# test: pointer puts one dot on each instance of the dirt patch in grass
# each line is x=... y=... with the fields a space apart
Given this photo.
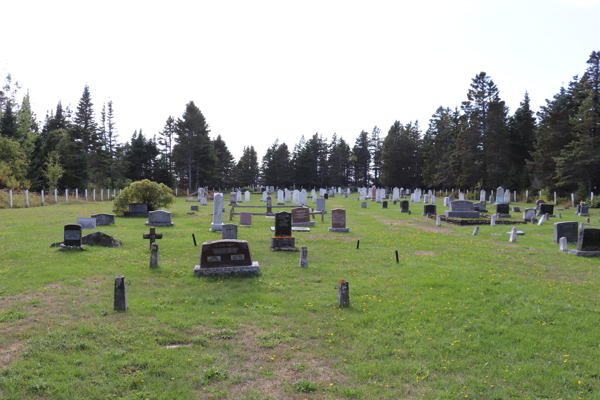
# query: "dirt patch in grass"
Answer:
x=8 y=353
x=339 y=238
x=420 y=225
x=425 y=253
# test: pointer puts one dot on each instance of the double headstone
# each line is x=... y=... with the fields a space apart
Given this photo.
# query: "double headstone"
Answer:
x=588 y=242
x=87 y=223
x=104 y=219
x=138 y=210
x=461 y=209
x=226 y=258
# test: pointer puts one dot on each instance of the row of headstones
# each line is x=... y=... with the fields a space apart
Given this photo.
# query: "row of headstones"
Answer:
x=76 y=193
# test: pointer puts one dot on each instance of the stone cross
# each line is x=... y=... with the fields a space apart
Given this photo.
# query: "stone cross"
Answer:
x=152 y=236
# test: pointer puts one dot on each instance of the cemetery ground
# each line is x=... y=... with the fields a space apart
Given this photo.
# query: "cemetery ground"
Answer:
x=459 y=316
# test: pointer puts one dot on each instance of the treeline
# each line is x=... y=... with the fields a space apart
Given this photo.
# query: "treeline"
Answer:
x=477 y=145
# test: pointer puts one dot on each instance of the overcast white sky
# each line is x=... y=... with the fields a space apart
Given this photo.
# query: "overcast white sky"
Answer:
x=266 y=70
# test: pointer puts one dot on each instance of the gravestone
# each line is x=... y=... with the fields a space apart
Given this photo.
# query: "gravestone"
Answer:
x=232 y=198
x=502 y=210
x=338 y=220
x=396 y=194
x=301 y=217
x=343 y=294
x=194 y=208
x=482 y=196
x=564 y=245
x=540 y=201
x=269 y=205
x=326 y=196
x=384 y=204
x=217 y=220
x=500 y=195
x=572 y=199
x=138 y=210
x=120 y=300
x=426 y=199
x=321 y=205
x=433 y=199
x=280 y=198
x=373 y=193
x=226 y=258
x=446 y=202
x=588 y=242
x=475 y=231
x=516 y=209
x=493 y=220
x=438 y=220
x=461 y=196
x=72 y=237
x=283 y=240
x=566 y=229
x=363 y=204
x=479 y=207
x=404 y=206
x=461 y=209
x=87 y=223
x=546 y=209
x=430 y=209
x=513 y=235
x=246 y=220
x=542 y=219
x=363 y=194
x=152 y=236
x=159 y=218
x=304 y=257
x=247 y=197
x=529 y=214
x=229 y=231
x=582 y=210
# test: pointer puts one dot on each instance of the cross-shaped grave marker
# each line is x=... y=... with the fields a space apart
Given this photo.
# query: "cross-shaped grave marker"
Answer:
x=152 y=236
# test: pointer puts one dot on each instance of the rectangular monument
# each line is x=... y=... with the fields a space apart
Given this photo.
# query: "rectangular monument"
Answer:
x=225 y=258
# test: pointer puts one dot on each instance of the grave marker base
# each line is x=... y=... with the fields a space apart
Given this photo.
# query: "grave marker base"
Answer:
x=283 y=244
x=585 y=253
x=339 y=229
x=248 y=270
x=64 y=247
x=161 y=224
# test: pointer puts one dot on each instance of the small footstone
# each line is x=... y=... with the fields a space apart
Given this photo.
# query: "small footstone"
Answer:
x=475 y=231
x=304 y=257
x=564 y=246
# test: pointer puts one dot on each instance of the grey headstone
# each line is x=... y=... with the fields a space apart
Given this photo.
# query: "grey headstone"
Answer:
x=154 y=259
x=475 y=231
x=217 y=220
x=564 y=244
x=104 y=219
x=87 y=223
x=229 y=231
x=120 y=302
x=304 y=257
x=160 y=218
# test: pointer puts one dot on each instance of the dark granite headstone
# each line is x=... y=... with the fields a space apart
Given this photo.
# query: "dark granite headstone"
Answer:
x=384 y=204
x=225 y=253
x=72 y=235
x=589 y=239
x=138 y=210
x=546 y=209
x=502 y=208
x=430 y=209
x=404 y=206
x=326 y=196
x=566 y=229
x=283 y=224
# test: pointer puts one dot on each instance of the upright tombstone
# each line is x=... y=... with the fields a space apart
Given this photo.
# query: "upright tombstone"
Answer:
x=10 y=203
x=104 y=219
x=507 y=196
x=72 y=237
x=321 y=205
x=500 y=195
x=482 y=196
x=542 y=219
x=264 y=197
x=304 y=257
x=338 y=220
x=232 y=198
x=269 y=205
x=546 y=209
x=493 y=220
x=426 y=199
x=513 y=235
x=247 y=197
x=461 y=209
x=42 y=198
x=461 y=196
x=363 y=194
x=588 y=242
x=384 y=204
x=138 y=210
x=378 y=196
x=446 y=202
x=564 y=245
x=76 y=194
x=303 y=198
x=226 y=257
x=429 y=209
x=283 y=239
x=93 y=194
x=404 y=206
x=246 y=220
x=395 y=194
x=582 y=210
x=363 y=204
x=217 y=220
x=572 y=199
x=528 y=214
x=566 y=229
x=238 y=196
x=301 y=217
x=86 y=223
x=433 y=199
x=160 y=218
x=502 y=210
x=373 y=193
x=280 y=198
x=229 y=231
x=438 y=220
x=343 y=294
x=120 y=300
x=475 y=231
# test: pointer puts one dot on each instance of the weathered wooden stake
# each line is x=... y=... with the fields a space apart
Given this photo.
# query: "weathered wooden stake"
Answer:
x=397 y=258
x=357 y=244
x=194 y=237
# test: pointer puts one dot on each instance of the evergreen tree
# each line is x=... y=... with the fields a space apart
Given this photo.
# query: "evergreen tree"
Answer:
x=247 y=171
x=361 y=159
x=8 y=123
x=437 y=147
x=225 y=163
x=166 y=137
x=375 y=147
x=521 y=127
x=400 y=156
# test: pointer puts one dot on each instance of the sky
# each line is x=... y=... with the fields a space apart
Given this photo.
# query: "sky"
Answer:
x=262 y=71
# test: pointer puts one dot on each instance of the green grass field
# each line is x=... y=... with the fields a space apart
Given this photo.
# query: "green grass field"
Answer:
x=460 y=316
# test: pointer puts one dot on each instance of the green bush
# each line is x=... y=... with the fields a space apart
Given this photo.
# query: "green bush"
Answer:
x=157 y=195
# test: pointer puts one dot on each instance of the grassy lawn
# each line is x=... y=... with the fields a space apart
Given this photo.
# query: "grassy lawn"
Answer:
x=459 y=316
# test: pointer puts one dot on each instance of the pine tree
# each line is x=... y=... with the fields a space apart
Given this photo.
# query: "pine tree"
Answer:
x=166 y=137
x=361 y=159
x=438 y=145
x=247 y=170
x=522 y=126
x=225 y=163
x=375 y=147
x=401 y=156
